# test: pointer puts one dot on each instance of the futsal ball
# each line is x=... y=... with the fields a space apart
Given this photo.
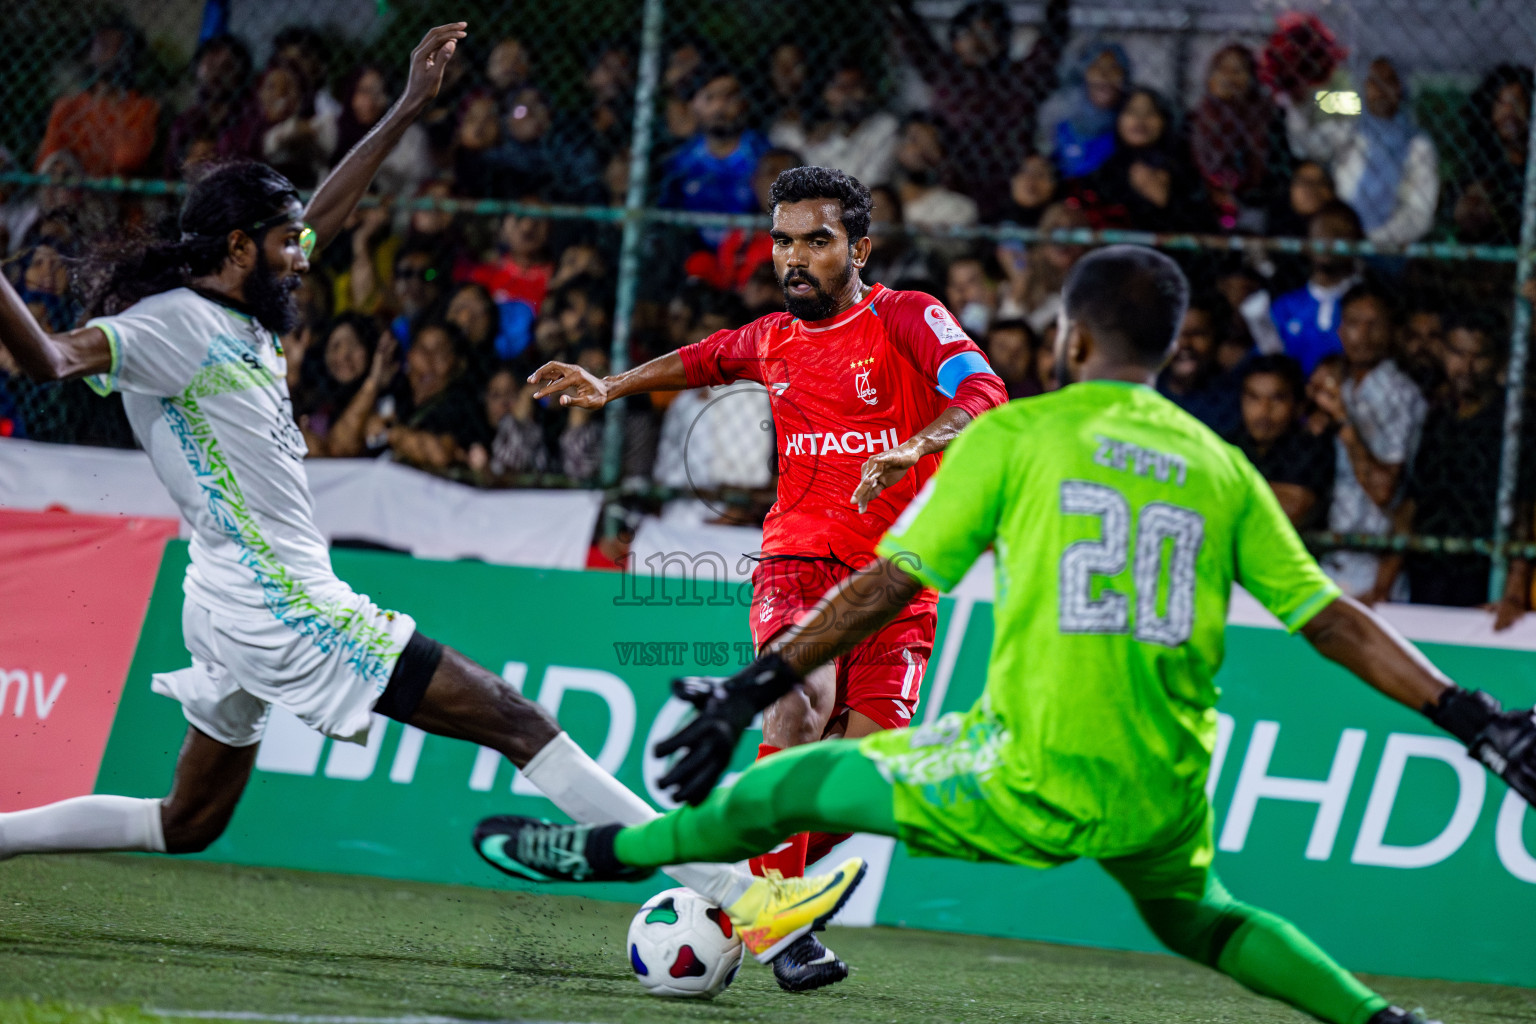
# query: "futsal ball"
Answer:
x=683 y=946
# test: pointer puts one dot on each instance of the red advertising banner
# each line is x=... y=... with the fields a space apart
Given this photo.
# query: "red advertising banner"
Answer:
x=73 y=593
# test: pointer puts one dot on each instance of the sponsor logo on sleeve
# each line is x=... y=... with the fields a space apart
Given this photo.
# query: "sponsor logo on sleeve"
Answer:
x=943 y=325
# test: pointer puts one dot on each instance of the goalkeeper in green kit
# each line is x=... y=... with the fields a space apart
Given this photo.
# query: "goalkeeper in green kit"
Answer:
x=1120 y=524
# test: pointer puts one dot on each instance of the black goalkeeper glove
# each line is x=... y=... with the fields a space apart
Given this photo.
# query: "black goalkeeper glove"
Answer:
x=726 y=708
x=1505 y=741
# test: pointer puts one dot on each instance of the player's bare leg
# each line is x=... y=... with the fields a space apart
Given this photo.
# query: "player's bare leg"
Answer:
x=210 y=778
x=464 y=701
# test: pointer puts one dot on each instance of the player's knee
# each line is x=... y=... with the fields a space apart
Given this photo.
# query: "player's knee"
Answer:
x=1195 y=929
x=792 y=720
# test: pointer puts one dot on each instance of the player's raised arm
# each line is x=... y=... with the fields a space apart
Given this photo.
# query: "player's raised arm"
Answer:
x=47 y=357
x=1349 y=633
x=338 y=194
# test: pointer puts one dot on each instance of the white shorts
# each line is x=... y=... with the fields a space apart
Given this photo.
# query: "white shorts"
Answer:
x=329 y=673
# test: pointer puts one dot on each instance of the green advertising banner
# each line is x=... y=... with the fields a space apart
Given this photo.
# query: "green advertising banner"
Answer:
x=1336 y=808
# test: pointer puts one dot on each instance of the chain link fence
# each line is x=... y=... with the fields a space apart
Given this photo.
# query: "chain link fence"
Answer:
x=1349 y=186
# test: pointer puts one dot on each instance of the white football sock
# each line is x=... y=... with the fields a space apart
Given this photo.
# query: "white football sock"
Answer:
x=578 y=786
x=84 y=823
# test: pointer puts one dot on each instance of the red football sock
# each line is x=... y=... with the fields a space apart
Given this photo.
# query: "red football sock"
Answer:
x=821 y=844
x=788 y=858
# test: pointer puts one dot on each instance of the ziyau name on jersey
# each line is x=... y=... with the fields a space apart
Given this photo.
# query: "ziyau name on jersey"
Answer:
x=850 y=442
x=1133 y=458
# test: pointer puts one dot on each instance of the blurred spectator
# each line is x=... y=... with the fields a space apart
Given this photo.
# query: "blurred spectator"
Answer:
x=787 y=101
x=970 y=296
x=343 y=372
x=284 y=128
x=438 y=229
x=436 y=417
x=43 y=284
x=522 y=268
x=685 y=60
x=1311 y=187
x=508 y=69
x=368 y=281
x=494 y=333
x=1192 y=379
x=1031 y=190
x=1305 y=322
x=761 y=293
x=1454 y=481
x=365 y=98
x=1077 y=125
x=222 y=68
x=1421 y=348
x=518 y=446
x=1012 y=348
x=892 y=256
x=537 y=156
x=581 y=315
x=856 y=137
x=1035 y=275
x=1498 y=119
x=729 y=266
x=1147 y=182
x=920 y=166
x=475 y=143
x=303 y=49
x=988 y=100
x=1299 y=465
x=581 y=442
x=358 y=428
x=1238 y=139
x=713 y=437
x=108 y=126
x=1378 y=413
x=1325 y=378
x=419 y=283
x=712 y=172
x=611 y=81
x=1385 y=166
x=19 y=209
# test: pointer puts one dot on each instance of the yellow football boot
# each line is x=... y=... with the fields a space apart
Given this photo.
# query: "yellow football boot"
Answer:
x=776 y=911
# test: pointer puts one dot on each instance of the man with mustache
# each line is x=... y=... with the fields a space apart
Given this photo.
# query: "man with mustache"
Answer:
x=190 y=336
x=867 y=386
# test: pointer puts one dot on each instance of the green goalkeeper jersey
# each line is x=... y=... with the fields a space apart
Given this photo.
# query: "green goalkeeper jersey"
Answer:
x=1119 y=524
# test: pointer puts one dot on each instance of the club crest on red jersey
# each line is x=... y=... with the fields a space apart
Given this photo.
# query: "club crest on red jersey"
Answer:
x=943 y=325
x=861 y=385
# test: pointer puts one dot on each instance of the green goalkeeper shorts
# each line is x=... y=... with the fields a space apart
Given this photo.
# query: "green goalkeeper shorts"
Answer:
x=950 y=800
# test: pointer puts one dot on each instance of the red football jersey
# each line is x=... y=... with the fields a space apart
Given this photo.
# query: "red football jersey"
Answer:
x=841 y=390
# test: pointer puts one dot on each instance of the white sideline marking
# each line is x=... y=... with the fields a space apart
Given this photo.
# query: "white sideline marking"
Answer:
x=302 y=1018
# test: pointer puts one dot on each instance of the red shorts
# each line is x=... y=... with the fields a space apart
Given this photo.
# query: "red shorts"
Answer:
x=880 y=678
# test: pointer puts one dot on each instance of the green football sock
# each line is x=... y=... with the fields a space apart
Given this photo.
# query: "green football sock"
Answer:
x=1262 y=952
x=820 y=787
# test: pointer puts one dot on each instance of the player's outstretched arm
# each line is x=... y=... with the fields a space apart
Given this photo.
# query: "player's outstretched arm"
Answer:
x=338 y=194
x=586 y=391
x=46 y=357
x=885 y=469
x=849 y=612
x=1350 y=634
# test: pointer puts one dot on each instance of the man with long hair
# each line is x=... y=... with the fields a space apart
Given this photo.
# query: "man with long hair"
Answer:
x=188 y=330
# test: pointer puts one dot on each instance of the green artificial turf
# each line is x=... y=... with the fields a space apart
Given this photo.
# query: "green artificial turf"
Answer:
x=111 y=939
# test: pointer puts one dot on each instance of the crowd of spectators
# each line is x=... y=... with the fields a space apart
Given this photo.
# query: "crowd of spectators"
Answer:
x=1371 y=415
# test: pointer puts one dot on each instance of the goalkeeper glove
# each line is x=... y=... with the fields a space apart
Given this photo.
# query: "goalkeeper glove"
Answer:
x=1505 y=741
x=726 y=708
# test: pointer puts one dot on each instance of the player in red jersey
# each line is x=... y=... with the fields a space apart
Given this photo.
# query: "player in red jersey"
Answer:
x=867 y=386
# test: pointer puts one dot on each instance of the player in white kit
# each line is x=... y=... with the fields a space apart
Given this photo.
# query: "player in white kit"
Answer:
x=191 y=340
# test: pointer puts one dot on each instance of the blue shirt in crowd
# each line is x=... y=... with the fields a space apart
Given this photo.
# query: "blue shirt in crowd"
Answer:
x=1308 y=322
x=699 y=181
